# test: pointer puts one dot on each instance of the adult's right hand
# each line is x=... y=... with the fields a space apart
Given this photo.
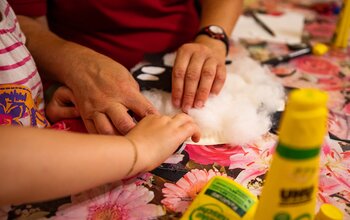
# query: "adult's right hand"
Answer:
x=105 y=91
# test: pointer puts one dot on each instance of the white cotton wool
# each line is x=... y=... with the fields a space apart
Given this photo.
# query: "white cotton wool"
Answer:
x=240 y=114
x=161 y=101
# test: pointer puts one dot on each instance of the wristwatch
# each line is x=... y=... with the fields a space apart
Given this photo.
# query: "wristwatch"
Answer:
x=215 y=32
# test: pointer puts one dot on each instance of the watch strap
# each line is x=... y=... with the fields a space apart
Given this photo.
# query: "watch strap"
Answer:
x=218 y=36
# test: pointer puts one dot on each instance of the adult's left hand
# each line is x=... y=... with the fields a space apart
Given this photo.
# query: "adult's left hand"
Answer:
x=198 y=71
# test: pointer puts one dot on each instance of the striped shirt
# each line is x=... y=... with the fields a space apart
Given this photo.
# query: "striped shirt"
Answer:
x=21 y=91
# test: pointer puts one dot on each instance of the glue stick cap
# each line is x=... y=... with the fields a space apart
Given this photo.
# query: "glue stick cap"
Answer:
x=329 y=212
x=304 y=121
x=319 y=49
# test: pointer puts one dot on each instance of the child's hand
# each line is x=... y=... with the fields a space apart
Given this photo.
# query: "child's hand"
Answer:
x=157 y=137
x=61 y=106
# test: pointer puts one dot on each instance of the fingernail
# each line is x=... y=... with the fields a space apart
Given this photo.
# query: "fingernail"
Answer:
x=199 y=104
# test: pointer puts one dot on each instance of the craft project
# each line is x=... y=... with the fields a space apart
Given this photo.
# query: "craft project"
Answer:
x=240 y=114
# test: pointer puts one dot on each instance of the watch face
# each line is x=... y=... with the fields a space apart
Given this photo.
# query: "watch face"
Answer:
x=216 y=29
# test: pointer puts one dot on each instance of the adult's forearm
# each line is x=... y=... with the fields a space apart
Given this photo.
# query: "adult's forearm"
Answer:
x=55 y=57
x=34 y=165
x=223 y=13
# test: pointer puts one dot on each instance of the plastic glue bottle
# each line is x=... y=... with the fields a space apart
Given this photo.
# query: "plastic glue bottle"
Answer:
x=222 y=199
x=291 y=184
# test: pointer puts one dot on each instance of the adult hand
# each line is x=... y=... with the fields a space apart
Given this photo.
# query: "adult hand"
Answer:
x=157 y=137
x=199 y=70
x=105 y=91
x=61 y=106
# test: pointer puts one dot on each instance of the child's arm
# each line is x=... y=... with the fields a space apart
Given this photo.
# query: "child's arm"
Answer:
x=39 y=164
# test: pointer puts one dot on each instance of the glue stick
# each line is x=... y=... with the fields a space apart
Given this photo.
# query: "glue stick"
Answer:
x=222 y=199
x=329 y=212
x=291 y=184
x=341 y=35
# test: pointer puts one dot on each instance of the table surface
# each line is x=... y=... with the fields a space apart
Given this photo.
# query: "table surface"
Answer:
x=167 y=191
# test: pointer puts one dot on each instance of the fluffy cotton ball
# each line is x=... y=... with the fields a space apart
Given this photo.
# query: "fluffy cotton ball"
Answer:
x=241 y=112
x=161 y=101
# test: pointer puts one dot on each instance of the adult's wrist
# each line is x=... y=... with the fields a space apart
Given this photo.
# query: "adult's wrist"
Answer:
x=217 y=46
x=216 y=33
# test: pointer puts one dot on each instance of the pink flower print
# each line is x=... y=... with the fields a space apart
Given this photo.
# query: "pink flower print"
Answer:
x=339 y=125
x=323 y=30
x=180 y=195
x=122 y=203
x=346 y=109
x=336 y=163
x=342 y=201
x=145 y=179
x=338 y=54
x=316 y=65
x=209 y=154
x=174 y=159
x=255 y=161
x=330 y=84
x=328 y=186
x=336 y=100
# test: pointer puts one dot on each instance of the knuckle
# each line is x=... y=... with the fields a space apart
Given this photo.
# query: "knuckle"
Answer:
x=179 y=73
x=208 y=73
x=203 y=92
x=162 y=119
x=189 y=96
x=165 y=118
x=127 y=87
x=202 y=49
x=186 y=47
x=192 y=75
x=176 y=92
x=124 y=126
x=220 y=77
x=149 y=110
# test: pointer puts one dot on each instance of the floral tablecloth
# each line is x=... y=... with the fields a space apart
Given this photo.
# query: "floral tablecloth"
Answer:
x=166 y=192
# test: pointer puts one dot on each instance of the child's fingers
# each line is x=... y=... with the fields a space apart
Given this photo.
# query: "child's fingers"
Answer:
x=192 y=130
x=181 y=118
x=187 y=126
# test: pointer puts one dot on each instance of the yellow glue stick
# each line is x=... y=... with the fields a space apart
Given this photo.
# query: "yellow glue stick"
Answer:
x=329 y=212
x=222 y=199
x=291 y=184
x=340 y=38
